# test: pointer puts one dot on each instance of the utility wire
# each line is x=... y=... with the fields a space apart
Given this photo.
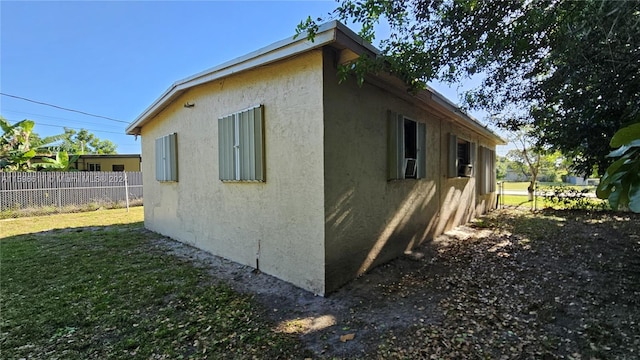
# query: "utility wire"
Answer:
x=59 y=118
x=63 y=108
x=69 y=127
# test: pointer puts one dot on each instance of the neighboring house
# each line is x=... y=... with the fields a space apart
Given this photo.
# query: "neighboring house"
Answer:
x=116 y=162
x=268 y=161
x=581 y=181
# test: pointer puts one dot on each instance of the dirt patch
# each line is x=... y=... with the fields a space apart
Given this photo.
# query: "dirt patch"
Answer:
x=512 y=285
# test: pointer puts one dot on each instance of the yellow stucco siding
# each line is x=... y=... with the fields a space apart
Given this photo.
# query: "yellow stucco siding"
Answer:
x=368 y=219
x=279 y=222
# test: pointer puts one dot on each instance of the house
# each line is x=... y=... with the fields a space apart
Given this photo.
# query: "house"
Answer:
x=306 y=179
x=581 y=181
x=115 y=162
x=95 y=162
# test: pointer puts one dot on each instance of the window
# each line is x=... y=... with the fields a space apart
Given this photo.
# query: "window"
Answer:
x=167 y=158
x=241 y=146
x=462 y=155
x=94 y=167
x=487 y=171
x=406 y=148
x=117 y=167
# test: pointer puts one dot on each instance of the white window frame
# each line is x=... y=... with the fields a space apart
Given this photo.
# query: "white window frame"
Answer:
x=454 y=170
x=398 y=161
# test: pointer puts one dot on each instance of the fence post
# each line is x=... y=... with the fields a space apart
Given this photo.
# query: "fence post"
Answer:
x=58 y=191
x=126 y=190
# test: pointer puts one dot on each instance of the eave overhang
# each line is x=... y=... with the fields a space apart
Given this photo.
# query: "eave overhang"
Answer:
x=334 y=34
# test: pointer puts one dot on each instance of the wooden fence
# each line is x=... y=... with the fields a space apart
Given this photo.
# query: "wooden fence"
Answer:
x=19 y=190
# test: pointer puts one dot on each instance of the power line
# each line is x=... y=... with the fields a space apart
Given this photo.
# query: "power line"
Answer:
x=59 y=118
x=63 y=108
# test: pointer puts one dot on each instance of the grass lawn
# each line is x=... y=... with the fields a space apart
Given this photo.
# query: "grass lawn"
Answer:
x=92 y=285
x=522 y=186
x=516 y=200
x=514 y=284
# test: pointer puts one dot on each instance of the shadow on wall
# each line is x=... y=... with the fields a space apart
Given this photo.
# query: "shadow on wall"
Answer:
x=364 y=231
x=405 y=227
x=457 y=205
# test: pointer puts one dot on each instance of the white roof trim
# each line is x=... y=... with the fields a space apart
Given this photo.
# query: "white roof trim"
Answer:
x=326 y=34
x=329 y=33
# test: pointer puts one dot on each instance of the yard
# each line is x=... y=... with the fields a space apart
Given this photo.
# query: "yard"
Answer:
x=513 y=285
x=549 y=195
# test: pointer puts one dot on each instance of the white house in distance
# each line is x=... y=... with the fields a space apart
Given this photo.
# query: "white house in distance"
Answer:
x=268 y=161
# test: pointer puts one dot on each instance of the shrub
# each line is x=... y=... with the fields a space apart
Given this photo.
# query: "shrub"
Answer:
x=570 y=198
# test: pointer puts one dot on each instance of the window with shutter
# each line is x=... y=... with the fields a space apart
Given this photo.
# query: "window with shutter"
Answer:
x=167 y=158
x=241 y=146
x=487 y=173
x=462 y=155
x=406 y=153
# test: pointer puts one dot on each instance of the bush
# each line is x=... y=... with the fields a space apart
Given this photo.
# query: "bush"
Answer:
x=570 y=198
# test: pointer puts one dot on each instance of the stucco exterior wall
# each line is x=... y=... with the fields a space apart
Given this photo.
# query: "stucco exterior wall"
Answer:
x=106 y=163
x=369 y=220
x=277 y=225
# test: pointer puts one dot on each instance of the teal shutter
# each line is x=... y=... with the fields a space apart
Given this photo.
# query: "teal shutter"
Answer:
x=472 y=158
x=422 y=151
x=251 y=136
x=251 y=145
x=482 y=170
x=167 y=158
x=171 y=157
x=492 y=162
x=395 y=145
x=226 y=150
x=159 y=159
x=241 y=146
x=453 y=156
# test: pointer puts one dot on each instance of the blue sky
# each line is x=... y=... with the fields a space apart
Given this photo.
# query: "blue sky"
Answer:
x=114 y=58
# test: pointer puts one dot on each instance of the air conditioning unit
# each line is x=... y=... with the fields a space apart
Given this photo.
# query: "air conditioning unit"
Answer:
x=465 y=170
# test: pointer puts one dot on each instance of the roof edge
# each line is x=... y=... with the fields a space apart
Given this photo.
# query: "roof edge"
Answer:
x=328 y=33
x=455 y=109
x=288 y=47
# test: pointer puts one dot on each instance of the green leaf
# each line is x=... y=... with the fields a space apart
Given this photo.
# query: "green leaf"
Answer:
x=62 y=157
x=625 y=135
x=614 y=197
x=616 y=165
x=624 y=148
x=634 y=196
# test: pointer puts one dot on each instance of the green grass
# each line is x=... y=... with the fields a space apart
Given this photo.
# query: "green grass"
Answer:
x=51 y=210
x=516 y=200
x=94 y=285
x=522 y=186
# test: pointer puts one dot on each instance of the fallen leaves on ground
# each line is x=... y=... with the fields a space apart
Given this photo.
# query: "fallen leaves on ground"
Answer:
x=544 y=286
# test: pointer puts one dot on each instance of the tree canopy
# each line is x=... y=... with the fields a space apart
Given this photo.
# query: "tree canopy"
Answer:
x=570 y=69
x=84 y=142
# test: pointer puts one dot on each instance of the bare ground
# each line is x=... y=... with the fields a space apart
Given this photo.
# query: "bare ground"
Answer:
x=553 y=285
